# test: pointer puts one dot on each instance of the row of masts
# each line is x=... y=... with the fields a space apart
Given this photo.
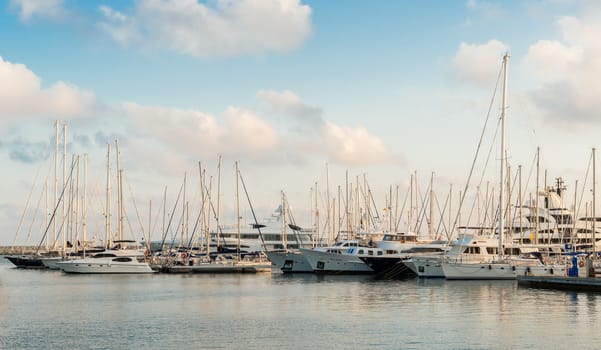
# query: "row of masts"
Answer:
x=345 y=213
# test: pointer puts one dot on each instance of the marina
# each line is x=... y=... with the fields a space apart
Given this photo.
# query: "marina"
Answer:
x=300 y=174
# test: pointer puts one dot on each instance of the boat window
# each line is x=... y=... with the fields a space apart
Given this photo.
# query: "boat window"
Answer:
x=370 y=252
x=360 y=251
x=123 y=259
x=379 y=252
x=104 y=255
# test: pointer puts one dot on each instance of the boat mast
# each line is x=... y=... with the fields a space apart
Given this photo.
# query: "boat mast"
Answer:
x=431 y=215
x=283 y=222
x=593 y=210
x=238 y=210
x=119 y=190
x=84 y=205
x=107 y=215
x=218 y=231
x=64 y=231
x=328 y=213
x=55 y=184
x=503 y=156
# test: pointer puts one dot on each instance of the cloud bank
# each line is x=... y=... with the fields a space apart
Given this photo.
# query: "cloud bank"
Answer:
x=218 y=28
x=479 y=64
x=569 y=70
x=29 y=9
x=22 y=96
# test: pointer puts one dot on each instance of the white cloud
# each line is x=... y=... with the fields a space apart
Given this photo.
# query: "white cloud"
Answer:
x=217 y=29
x=28 y=9
x=307 y=118
x=21 y=96
x=341 y=144
x=568 y=70
x=198 y=134
x=484 y=8
x=479 y=64
x=355 y=146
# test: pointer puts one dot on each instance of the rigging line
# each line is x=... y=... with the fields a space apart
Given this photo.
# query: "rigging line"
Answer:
x=28 y=199
x=477 y=151
x=215 y=216
x=55 y=209
x=422 y=211
x=588 y=168
x=174 y=236
x=171 y=216
x=441 y=220
x=133 y=199
x=201 y=210
x=485 y=166
x=374 y=206
x=400 y=216
x=297 y=236
x=252 y=210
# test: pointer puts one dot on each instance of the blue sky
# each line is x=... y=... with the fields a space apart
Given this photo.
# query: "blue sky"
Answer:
x=382 y=88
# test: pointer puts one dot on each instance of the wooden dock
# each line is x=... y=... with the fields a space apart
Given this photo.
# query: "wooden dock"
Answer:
x=586 y=284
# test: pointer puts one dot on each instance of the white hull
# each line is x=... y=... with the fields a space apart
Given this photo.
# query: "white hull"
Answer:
x=52 y=263
x=499 y=270
x=104 y=266
x=426 y=267
x=478 y=271
x=290 y=261
x=334 y=263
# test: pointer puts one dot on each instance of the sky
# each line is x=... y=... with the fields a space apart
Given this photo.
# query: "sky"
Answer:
x=299 y=93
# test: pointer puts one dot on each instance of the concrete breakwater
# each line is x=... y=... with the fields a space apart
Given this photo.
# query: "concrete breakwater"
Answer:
x=25 y=249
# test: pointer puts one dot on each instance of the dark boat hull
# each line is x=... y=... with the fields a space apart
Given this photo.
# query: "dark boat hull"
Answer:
x=388 y=267
x=26 y=262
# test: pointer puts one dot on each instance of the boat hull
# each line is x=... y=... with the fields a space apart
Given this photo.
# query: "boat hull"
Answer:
x=388 y=267
x=290 y=261
x=478 y=271
x=92 y=266
x=335 y=264
x=26 y=262
x=425 y=267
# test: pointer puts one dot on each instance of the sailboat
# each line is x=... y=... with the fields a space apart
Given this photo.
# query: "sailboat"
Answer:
x=502 y=265
x=124 y=256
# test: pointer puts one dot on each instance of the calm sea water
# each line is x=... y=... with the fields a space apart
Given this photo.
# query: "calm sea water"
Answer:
x=51 y=310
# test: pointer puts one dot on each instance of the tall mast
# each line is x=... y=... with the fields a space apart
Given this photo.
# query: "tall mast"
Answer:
x=331 y=227
x=594 y=209
x=503 y=156
x=183 y=234
x=64 y=184
x=431 y=214
x=107 y=214
x=218 y=199
x=283 y=222
x=119 y=191
x=55 y=183
x=84 y=205
x=237 y=211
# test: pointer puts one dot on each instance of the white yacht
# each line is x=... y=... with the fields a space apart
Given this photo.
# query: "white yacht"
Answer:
x=289 y=261
x=341 y=258
x=477 y=257
x=426 y=266
x=106 y=263
x=125 y=256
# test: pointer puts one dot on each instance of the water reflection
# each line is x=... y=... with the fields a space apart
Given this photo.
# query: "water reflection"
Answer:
x=286 y=311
